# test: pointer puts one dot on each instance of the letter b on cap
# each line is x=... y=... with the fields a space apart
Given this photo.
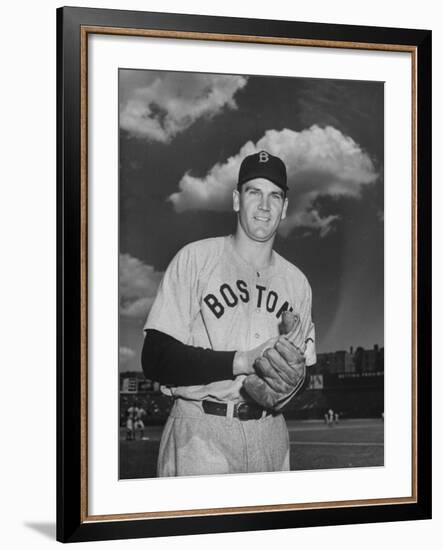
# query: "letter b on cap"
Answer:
x=263 y=156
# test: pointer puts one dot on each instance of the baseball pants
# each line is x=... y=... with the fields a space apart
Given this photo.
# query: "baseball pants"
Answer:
x=196 y=443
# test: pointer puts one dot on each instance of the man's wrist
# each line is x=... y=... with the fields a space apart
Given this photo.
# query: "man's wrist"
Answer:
x=240 y=363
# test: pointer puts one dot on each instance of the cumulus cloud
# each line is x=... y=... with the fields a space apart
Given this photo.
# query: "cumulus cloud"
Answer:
x=138 y=287
x=172 y=102
x=125 y=354
x=319 y=161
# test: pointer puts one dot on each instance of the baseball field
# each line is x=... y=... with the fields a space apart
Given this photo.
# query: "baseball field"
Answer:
x=314 y=446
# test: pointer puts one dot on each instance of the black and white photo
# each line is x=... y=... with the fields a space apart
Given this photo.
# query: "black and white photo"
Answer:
x=243 y=197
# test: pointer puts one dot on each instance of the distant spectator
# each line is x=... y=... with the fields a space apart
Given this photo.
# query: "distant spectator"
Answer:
x=139 y=425
x=130 y=422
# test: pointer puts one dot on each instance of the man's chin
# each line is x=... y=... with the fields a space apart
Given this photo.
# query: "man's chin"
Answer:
x=262 y=237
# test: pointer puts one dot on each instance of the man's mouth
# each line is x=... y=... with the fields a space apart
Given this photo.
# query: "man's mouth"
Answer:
x=262 y=218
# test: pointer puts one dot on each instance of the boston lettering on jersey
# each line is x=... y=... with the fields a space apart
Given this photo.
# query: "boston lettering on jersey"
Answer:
x=231 y=295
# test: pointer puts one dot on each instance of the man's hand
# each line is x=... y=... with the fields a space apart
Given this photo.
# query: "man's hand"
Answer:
x=244 y=360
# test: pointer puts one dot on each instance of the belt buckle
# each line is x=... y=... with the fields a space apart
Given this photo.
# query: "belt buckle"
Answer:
x=248 y=411
x=242 y=411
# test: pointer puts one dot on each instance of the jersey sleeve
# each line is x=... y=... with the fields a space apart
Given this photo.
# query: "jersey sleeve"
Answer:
x=308 y=327
x=310 y=351
x=177 y=303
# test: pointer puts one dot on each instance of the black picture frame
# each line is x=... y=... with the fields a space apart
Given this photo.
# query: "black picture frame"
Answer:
x=73 y=522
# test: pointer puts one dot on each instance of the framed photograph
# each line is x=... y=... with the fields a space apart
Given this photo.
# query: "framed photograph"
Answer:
x=244 y=274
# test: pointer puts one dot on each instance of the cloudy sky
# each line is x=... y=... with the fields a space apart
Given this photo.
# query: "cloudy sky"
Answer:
x=182 y=138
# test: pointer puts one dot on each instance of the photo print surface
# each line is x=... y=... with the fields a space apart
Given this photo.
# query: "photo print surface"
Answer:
x=216 y=252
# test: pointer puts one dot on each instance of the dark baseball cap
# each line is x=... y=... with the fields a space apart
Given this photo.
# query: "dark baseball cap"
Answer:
x=263 y=165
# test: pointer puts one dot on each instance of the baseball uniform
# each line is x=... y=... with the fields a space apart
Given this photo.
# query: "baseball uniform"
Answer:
x=212 y=298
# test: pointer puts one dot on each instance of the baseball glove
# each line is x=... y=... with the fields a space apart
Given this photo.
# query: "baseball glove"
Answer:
x=280 y=371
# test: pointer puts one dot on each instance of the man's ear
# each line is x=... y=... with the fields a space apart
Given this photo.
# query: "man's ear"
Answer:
x=285 y=208
x=236 y=200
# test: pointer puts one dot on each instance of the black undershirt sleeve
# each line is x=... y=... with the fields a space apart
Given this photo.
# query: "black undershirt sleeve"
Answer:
x=170 y=362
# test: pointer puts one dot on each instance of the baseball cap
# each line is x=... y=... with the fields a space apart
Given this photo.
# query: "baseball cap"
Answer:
x=263 y=165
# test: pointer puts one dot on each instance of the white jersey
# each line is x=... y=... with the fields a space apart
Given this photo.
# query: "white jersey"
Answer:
x=212 y=298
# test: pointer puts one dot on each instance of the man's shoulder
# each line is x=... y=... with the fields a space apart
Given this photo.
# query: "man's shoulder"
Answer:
x=211 y=243
x=290 y=269
x=205 y=247
x=200 y=255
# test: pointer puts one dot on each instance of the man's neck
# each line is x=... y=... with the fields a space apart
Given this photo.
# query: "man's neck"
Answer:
x=256 y=253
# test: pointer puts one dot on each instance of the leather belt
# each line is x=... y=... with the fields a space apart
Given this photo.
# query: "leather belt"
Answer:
x=242 y=411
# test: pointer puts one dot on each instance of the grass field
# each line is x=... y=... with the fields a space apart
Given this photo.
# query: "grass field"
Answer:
x=314 y=446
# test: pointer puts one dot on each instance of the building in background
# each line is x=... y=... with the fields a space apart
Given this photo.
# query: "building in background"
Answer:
x=351 y=383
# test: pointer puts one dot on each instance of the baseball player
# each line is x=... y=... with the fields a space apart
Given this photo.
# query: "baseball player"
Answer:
x=139 y=425
x=229 y=336
x=131 y=414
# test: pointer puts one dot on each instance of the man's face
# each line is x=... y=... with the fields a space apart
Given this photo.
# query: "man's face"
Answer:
x=261 y=205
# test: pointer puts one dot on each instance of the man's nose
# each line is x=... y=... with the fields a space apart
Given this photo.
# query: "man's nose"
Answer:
x=264 y=203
